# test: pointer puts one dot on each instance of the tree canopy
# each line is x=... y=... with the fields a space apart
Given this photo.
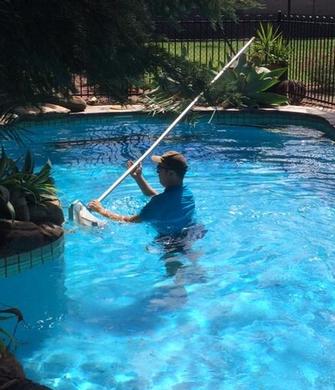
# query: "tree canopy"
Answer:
x=44 y=43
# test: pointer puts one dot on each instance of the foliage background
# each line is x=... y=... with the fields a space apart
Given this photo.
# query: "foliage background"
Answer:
x=46 y=42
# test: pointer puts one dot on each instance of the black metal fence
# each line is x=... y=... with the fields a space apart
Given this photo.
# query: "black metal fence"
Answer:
x=312 y=56
x=311 y=41
x=311 y=46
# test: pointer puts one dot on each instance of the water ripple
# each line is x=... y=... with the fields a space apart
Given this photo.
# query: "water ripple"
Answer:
x=251 y=306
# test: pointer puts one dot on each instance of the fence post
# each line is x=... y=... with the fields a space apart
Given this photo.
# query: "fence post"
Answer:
x=279 y=19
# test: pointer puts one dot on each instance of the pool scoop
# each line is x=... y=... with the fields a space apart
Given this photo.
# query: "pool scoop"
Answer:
x=82 y=216
x=79 y=213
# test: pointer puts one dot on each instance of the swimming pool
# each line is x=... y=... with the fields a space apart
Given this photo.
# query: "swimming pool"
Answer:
x=253 y=304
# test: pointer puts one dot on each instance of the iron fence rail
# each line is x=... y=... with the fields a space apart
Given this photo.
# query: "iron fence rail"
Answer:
x=311 y=41
x=312 y=56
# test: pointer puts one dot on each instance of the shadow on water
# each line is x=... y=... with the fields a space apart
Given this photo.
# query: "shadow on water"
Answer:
x=149 y=312
x=175 y=247
x=144 y=314
x=39 y=294
x=145 y=310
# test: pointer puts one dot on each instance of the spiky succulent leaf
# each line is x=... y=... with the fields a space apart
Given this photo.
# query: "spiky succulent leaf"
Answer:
x=11 y=210
x=28 y=166
x=8 y=337
x=270 y=46
x=270 y=99
x=36 y=187
x=13 y=312
x=5 y=203
x=277 y=72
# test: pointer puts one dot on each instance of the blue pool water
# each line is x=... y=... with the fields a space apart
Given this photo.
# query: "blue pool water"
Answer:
x=251 y=307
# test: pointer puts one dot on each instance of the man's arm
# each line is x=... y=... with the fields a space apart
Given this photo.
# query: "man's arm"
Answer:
x=141 y=182
x=95 y=205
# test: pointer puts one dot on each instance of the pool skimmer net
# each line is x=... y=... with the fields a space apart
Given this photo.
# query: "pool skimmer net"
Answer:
x=80 y=214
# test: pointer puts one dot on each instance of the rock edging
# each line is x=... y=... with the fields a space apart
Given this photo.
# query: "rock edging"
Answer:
x=54 y=107
x=43 y=227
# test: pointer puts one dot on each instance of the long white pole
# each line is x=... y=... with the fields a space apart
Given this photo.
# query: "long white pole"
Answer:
x=173 y=124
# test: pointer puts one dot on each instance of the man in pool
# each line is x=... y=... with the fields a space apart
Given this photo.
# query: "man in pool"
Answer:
x=170 y=211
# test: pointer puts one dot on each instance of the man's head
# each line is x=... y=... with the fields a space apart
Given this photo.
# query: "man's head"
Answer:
x=171 y=167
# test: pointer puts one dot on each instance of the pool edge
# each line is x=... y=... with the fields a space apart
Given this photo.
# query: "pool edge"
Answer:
x=328 y=117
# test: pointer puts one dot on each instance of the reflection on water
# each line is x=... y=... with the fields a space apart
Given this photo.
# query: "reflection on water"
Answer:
x=174 y=247
x=39 y=293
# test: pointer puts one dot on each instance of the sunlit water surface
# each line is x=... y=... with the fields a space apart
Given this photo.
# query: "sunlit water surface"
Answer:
x=252 y=305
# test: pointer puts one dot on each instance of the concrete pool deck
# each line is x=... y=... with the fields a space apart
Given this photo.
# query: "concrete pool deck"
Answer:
x=327 y=115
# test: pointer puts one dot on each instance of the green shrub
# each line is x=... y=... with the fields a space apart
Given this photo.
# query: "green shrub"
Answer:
x=269 y=47
x=34 y=188
x=246 y=86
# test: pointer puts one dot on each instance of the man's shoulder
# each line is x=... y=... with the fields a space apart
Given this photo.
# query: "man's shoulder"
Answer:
x=158 y=197
x=187 y=193
x=187 y=190
x=172 y=194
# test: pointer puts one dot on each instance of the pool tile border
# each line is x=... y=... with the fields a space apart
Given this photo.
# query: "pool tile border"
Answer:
x=18 y=263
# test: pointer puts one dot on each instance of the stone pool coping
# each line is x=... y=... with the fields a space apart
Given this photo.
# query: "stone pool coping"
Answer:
x=327 y=115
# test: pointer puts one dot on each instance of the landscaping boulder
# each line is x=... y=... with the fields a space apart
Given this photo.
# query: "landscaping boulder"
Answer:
x=20 y=204
x=12 y=376
x=21 y=236
x=46 y=109
x=73 y=103
x=4 y=199
x=53 y=110
x=294 y=90
x=49 y=212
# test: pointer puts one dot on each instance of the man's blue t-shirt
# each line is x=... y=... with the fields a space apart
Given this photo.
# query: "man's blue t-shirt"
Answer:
x=170 y=211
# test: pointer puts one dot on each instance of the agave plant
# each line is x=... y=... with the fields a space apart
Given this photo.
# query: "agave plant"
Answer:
x=246 y=86
x=34 y=188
